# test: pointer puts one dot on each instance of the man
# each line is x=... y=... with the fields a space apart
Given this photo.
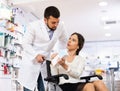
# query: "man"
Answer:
x=39 y=40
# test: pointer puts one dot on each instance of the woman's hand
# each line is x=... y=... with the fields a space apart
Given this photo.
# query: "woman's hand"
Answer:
x=62 y=63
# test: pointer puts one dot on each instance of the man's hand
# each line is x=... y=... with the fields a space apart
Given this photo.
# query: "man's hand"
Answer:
x=40 y=58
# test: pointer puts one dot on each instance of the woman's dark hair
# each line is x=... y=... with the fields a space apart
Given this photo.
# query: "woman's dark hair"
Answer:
x=81 y=41
x=51 y=11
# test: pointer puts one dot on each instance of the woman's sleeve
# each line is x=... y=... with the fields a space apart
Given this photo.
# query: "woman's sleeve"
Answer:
x=77 y=68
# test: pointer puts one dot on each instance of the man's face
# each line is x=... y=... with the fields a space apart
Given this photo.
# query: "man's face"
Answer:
x=52 y=22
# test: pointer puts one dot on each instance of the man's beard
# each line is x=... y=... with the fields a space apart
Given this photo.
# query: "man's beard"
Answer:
x=51 y=28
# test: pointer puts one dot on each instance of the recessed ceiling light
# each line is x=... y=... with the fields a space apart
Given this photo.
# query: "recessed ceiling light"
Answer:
x=103 y=3
x=108 y=34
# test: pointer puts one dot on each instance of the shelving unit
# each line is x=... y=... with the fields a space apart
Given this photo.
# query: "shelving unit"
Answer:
x=10 y=55
x=8 y=47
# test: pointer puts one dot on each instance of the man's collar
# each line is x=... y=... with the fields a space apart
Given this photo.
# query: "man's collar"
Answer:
x=47 y=28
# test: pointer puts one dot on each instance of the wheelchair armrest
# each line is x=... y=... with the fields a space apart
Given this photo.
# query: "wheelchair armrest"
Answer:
x=87 y=78
x=55 y=78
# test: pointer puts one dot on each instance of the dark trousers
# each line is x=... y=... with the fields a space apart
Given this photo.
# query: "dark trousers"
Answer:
x=40 y=83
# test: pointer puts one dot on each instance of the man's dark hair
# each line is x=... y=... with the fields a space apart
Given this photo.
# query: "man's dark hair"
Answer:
x=51 y=11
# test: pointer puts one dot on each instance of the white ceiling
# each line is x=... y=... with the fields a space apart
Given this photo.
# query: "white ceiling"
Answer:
x=83 y=16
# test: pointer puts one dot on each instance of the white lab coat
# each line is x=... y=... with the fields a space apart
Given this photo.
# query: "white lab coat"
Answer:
x=36 y=41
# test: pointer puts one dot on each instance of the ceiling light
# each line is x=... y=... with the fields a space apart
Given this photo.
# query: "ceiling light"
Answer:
x=103 y=3
x=108 y=34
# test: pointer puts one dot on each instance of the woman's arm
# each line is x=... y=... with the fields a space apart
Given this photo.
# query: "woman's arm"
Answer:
x=76 y=69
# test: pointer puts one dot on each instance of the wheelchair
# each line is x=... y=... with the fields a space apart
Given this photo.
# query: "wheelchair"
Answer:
x=54 y=79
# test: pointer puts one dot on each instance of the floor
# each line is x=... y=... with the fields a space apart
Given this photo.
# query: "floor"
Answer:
x=5 y=84
x=8 y=84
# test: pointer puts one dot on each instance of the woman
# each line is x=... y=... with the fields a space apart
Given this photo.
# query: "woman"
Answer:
x=73 y=65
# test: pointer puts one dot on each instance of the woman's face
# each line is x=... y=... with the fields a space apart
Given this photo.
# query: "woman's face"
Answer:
x=52 y=22
x=73 y=42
